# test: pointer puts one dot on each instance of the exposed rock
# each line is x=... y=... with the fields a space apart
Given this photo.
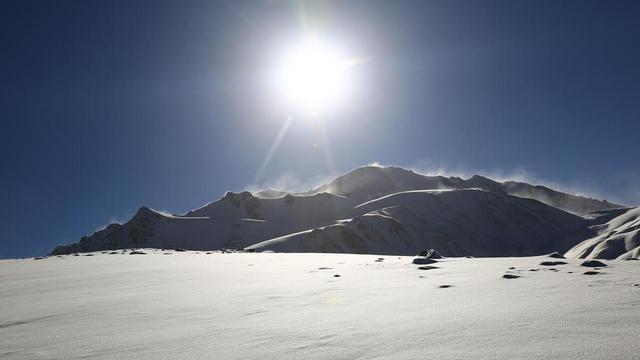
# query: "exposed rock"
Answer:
x=428 y=267
x=423 y=261
x=430 y=254
x=552 y=263
x=556 y=255
x=593 y=263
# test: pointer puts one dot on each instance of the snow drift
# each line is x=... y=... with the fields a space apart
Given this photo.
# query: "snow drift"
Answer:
x=618 y=238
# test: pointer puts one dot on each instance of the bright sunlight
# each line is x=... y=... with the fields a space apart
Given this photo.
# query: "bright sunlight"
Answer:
x=313 y=77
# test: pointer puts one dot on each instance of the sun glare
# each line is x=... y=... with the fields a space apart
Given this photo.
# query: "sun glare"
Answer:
x=312 y=78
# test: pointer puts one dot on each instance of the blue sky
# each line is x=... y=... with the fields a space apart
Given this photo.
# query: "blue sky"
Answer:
x=111 y=105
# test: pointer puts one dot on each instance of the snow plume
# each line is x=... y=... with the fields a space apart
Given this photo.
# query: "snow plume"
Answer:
x=290 y=182
x=112 y=220
x=519 y=174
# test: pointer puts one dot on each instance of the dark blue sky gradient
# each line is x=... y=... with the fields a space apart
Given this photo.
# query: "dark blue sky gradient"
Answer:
x=110 y=105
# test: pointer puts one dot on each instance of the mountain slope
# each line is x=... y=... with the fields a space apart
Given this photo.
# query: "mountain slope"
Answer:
x=235 y=221
x=370 y=182
x=455 y=222
x=619 y=238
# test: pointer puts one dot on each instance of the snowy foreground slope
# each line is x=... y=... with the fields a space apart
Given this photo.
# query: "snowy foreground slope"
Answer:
x=371 y=210
x=187 y=305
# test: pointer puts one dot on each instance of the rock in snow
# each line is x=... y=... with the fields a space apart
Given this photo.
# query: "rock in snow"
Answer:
x=556 y=255
x=593 y=263
x=430 y=254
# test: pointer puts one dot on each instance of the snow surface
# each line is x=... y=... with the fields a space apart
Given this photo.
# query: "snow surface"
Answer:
x=190 y=305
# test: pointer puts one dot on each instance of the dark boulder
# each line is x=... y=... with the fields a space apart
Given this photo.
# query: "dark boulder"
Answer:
x=423 y=261
x=593 y=263
x=552 y=263
x=430 y=254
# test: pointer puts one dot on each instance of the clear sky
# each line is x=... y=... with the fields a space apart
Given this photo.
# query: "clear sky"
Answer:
x=107 y=106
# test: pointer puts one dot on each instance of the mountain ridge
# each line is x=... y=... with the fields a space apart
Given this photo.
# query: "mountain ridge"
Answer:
x=240 y=220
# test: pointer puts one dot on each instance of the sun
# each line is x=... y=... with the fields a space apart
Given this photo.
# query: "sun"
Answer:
x=312 y=78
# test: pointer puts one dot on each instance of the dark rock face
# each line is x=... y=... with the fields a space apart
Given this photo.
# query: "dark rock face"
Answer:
x=593 y=263
x=136 y=232
x=251 y=203
x=140 y=227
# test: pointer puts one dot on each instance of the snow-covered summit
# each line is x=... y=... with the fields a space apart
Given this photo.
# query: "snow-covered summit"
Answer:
x=370 y=182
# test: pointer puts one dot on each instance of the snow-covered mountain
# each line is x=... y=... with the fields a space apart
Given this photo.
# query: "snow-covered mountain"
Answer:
x=235 y=221
x=618 y=238
x=370 y=182
x=371 y=209
x=456 y=222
